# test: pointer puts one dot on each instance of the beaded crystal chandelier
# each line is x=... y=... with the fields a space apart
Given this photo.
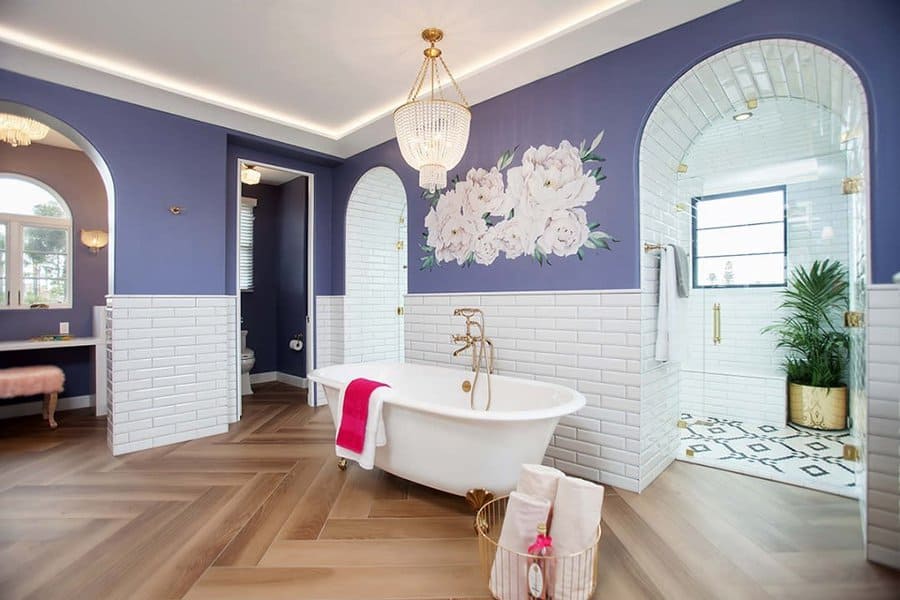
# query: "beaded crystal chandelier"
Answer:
x=21 y=131
x=432 y=131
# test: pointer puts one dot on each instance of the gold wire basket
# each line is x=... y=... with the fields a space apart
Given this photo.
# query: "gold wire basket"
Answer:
x=571 y=577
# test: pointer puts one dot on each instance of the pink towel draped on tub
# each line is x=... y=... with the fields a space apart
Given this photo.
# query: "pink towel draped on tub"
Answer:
x=28 y=381
x=355 y=413
x=361 y=428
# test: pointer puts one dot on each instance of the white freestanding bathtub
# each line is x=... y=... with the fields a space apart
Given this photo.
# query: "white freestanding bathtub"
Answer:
x=434 y=438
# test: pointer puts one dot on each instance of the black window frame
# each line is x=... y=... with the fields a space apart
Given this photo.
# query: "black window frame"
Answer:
x=695 y=258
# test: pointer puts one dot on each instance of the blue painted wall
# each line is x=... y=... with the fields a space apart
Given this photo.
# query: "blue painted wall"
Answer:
x=260 y=318
x=616 y=93
x=158 y=159
x=292 y=268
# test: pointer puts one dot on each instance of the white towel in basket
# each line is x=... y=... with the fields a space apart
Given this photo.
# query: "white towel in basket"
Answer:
x=508 y=574
x=539 y=481
x=576 y=516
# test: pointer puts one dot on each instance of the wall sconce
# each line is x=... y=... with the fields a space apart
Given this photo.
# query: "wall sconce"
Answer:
x=94 y=239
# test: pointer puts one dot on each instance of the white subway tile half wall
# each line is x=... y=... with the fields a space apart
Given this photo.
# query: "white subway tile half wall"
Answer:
x=171 y=367
x=883 y=493
x=560 y=338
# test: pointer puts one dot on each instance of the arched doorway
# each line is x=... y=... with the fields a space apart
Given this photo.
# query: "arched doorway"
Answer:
x=780 y=118
x=57 y=251
x=376 y=268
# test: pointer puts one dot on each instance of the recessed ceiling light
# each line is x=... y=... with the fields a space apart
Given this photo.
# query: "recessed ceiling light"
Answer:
x=742 y=116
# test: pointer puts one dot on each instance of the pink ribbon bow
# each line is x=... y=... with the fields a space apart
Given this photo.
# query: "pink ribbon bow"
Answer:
x=542 y=541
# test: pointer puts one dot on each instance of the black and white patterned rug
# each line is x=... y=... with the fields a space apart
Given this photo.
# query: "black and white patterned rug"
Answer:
x=789 y=453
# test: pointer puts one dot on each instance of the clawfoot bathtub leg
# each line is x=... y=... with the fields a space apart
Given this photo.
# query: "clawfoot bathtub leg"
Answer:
x=342 y=464
x=478 y=498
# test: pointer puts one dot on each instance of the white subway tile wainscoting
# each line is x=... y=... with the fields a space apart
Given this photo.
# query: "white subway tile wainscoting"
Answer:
x=883 y=449
x=589 y=341
x=171 y=371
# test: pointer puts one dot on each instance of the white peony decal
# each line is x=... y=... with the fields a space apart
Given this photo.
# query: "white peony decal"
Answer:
x=539 y=212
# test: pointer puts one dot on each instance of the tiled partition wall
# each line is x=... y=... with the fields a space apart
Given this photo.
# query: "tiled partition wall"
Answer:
x=329 y=331
x=589 y=341
x=661 y=380
x=172 y=370
x=883 y=522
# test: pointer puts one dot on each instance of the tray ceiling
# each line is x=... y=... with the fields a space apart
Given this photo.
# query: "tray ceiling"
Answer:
x=324 y=75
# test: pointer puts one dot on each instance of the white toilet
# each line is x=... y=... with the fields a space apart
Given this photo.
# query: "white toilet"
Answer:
x=248 y=358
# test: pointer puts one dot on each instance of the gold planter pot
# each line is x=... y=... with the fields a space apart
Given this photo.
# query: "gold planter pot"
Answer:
x=817 y=407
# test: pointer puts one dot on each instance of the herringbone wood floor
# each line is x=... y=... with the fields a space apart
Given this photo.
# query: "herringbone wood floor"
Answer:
x=263 y=512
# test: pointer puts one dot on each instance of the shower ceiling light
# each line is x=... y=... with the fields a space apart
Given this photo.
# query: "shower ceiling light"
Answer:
x=432 y=132
x=21 y=131
x=742 y=116
x=249 y=175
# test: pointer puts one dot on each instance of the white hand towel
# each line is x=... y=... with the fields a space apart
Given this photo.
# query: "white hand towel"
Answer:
x=665 y=315
x=576 y=516
x=539 y=481
x=509 y=572
x=375 y=433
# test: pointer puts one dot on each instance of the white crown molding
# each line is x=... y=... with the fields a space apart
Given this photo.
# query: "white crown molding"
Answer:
x=620 y=24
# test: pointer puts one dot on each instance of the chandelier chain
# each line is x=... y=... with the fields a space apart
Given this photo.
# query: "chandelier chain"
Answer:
x=417 y=84
x=453 y=80
x=433 y=131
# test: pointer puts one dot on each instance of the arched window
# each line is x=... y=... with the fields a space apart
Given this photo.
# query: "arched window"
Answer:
x=35 y=245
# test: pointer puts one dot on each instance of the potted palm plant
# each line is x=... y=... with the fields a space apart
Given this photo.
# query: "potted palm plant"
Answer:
x=812 y=334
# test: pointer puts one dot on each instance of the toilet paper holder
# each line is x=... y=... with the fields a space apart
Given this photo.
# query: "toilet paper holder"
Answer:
x=296 y=343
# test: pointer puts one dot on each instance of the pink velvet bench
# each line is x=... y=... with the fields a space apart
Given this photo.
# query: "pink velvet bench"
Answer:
x=28 y=381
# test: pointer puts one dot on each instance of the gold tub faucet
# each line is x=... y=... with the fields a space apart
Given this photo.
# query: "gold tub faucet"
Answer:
x=482 y=348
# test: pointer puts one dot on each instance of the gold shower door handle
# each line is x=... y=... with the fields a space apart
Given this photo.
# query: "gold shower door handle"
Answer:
x=717 y=324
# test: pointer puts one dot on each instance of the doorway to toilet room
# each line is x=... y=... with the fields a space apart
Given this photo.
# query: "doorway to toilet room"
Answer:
x=274 y=276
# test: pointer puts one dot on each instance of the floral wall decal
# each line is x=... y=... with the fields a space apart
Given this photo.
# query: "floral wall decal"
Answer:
x=539 y=211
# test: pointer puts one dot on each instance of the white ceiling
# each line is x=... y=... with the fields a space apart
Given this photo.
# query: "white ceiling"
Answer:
x=323 y=75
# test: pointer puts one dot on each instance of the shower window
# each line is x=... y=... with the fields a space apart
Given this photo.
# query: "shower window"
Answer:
x=739 y=239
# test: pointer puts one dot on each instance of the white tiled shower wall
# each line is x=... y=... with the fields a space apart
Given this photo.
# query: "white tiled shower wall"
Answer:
x=375 y=268
x=883 y=494
x=171 y=369
x=589 y=341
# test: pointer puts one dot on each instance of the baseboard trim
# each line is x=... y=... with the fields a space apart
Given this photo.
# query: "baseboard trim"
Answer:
x=265 y=377
x=293 y=380
x=35 y=408
x=279 y=376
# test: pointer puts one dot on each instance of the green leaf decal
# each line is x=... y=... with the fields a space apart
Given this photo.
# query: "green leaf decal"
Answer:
x=596 y=141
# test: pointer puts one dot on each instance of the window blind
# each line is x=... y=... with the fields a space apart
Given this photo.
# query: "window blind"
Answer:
x=245 y=244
